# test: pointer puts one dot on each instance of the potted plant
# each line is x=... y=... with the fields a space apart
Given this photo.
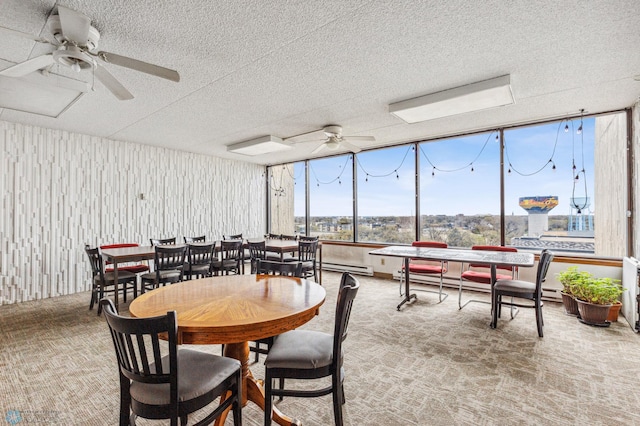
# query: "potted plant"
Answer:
x=570 y=278
x=595 y=296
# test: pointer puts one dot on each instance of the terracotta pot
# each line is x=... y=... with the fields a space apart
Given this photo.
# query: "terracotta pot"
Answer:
x=614 y=311
x=593 y=314
x=569 y=303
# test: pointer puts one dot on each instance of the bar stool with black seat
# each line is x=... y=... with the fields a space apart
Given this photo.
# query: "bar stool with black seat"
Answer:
x=171 y=386
x=481 y=274
x=200 y=258
x=231 y=258
x=426 y=267
x=522 y=290
x=307 y=354
x=269 y=267
x=169 y=267
x=103 y=282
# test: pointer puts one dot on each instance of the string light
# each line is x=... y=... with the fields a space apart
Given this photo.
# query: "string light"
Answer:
x=566 y=128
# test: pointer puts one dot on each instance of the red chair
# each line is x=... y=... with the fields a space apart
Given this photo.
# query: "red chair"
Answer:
x=136 y=268
x=426 y=267
x=481 y=274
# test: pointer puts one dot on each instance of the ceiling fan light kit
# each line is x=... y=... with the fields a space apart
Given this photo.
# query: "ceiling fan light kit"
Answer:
x=471 y=97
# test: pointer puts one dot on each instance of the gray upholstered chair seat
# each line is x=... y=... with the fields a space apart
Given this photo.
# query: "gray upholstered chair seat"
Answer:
x=301 y=349
x=109 y=276
x=197 y=269
x=164 y=275
x=192 y=382
x=518 y=286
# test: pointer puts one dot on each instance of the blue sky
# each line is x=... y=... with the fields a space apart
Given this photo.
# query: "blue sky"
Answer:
x=454 y=188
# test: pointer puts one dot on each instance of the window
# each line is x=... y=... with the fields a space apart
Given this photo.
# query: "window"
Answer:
x=386 y=195
x=564 y=188
x=460 y=190
x=331 y=198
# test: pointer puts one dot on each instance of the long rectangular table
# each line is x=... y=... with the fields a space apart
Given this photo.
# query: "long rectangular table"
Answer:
x=483 y=257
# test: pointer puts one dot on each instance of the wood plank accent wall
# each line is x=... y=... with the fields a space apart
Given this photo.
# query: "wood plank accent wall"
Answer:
x=61 y=190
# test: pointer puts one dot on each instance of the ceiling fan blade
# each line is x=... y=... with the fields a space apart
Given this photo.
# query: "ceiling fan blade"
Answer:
x=351 y=147
x=17 y=33
x=110 y=82
x=319 y=148
x=141 y=66
x=361 y=138
x=75 y=25
x=28 y=66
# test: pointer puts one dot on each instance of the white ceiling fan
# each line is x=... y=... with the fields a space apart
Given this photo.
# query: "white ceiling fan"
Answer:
x=334 y=140
x=76 y=47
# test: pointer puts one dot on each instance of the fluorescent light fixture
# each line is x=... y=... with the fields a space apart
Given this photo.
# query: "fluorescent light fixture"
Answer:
x=472 y=97
x=261 y=145
x=38 y=94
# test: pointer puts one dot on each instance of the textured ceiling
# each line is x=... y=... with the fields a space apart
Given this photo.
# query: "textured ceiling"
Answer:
x=271 y=67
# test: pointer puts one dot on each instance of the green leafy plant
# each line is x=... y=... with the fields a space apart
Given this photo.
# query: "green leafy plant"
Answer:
x=572 y=277
x=600 y=291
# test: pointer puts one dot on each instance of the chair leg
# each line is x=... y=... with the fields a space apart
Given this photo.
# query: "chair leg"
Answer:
x=338 y=398
x=268 y=398
x=125 y=402
x=281 y=384
x=539 y=321
x=236 y=407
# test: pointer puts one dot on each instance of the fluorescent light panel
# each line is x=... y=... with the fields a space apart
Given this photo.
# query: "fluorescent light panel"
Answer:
x=37 y=94
x=472 y=97
x=261 y=145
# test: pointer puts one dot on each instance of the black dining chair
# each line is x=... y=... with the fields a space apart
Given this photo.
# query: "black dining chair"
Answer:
x=232 y=258
x=200 y=239
x=519 y=289
x=307 y=354
x=270 y=267
x=169 y=263
x=257 y=250
x=307 y=255
x=103 y=283
x=173 y=385
x=200 y=258
x=162 y=241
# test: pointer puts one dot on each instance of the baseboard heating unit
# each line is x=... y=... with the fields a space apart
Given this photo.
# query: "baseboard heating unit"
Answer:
x=630 y=269
x=342 y=267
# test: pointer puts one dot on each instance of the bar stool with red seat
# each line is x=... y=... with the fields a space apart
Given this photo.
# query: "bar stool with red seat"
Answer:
x=426 y=267
x=481 y=274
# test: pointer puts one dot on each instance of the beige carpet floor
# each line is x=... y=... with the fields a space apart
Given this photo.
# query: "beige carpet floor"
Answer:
x=430 y=364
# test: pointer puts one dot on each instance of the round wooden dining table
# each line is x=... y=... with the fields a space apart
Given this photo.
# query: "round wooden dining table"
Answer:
x=233 y=310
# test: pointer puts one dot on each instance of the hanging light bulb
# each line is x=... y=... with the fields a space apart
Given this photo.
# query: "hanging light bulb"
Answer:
x=553 y=167
x=367 y=178
x=339 y=182
x=566 y=128
x=497 y=138
x=577 y=177
x=579 y=131
x=75 y=66
x=397 y=176
x=433 y=171
x=471 y=169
